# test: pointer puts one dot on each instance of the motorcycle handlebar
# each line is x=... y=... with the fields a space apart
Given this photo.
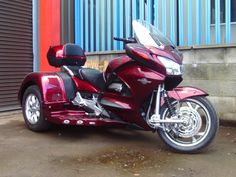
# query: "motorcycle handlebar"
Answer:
x=125 y=40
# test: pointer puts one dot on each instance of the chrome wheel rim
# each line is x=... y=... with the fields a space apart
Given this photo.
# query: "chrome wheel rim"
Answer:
x=32 y=109
x=196 y=124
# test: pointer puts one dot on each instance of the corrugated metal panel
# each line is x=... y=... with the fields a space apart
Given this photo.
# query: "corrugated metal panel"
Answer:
x=16 y=56
x=67 y=21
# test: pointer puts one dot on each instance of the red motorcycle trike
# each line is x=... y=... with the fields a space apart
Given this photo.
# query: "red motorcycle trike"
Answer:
x=138 y=89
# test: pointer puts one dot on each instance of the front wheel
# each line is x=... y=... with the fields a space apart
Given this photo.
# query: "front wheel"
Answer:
x=199 y=127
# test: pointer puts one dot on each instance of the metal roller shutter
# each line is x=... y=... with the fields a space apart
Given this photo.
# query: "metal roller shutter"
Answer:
x=16 y=53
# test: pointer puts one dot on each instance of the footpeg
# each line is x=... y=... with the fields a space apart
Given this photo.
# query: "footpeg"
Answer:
x=89 y=105
x=78 y=100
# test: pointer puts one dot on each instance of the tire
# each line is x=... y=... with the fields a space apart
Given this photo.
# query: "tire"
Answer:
x=32 y=110
x=198 y=131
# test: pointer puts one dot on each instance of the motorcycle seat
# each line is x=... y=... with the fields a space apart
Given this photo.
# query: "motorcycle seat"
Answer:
x=93 y=76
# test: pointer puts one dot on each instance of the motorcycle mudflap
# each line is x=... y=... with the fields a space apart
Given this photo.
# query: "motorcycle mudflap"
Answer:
x=181 y=93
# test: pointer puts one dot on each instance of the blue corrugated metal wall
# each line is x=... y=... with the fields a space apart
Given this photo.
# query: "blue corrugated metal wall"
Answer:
x=98 y=21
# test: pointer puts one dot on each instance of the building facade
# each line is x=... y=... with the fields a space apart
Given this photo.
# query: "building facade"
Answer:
x=29 y=27
x=186 y=22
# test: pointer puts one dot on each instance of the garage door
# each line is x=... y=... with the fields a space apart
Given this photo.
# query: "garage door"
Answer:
x=16 y=56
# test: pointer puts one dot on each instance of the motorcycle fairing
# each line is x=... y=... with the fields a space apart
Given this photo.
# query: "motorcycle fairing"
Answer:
x=128 y=107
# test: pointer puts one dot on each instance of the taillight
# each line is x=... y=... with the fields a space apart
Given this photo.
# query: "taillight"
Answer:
x=59 y=53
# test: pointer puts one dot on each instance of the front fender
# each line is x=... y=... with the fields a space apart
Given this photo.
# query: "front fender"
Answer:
x=181 y=93
x=50 y=85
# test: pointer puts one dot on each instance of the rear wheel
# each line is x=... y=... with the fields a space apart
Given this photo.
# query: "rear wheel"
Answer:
x=199 y=127
x=32 y=110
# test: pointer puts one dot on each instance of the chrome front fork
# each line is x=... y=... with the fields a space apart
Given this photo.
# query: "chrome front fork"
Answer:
x=158 y=100
x=156 y=117
x=155 y=120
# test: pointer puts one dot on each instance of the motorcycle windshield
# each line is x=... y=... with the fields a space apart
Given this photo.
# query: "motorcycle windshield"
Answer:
x=148 y=35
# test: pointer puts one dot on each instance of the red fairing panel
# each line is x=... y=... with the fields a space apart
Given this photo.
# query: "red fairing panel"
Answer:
x=128 y=107
x=50 y=84
x=53 y=89
x=117 y=62
x=85 y=86
x=181 y=93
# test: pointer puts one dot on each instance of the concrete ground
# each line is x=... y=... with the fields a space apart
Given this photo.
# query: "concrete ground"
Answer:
x=95 y=152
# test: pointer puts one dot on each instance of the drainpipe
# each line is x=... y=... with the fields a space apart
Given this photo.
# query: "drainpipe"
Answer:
x=35 y=21
x=177 y=23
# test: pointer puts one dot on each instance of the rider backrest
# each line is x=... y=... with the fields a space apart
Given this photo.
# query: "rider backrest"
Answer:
x=68 y=54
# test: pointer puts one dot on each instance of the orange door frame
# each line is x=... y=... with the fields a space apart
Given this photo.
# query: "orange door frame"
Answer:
x=49 y=30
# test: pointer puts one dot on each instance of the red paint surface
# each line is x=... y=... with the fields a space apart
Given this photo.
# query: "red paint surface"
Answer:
x=83 y=85
x=49 y=30
x=50 y=84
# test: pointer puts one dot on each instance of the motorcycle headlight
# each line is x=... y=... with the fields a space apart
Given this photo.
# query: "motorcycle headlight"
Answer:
x=172 y=68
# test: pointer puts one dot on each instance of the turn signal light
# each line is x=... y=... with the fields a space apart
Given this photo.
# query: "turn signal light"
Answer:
x=143 y=54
